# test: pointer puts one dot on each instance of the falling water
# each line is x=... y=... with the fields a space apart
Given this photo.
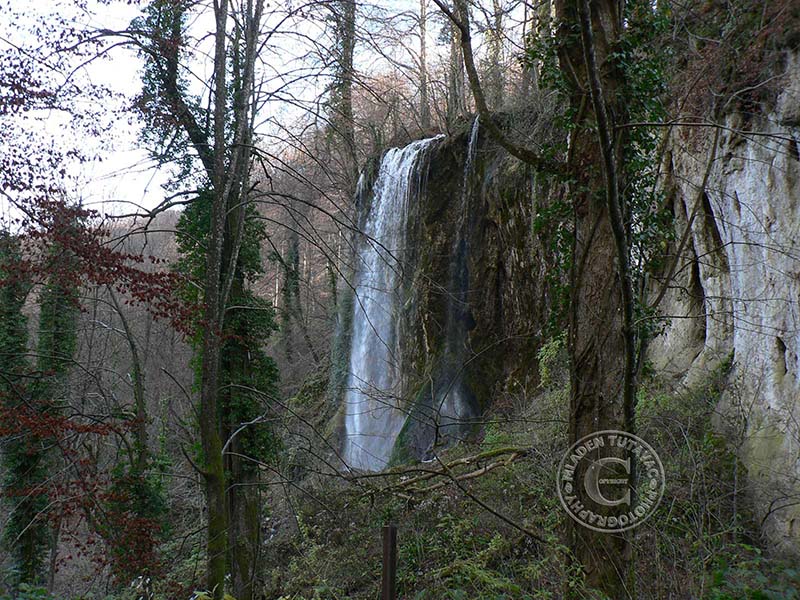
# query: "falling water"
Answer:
x=373 y=412
x=452 y=407
x=472 y=150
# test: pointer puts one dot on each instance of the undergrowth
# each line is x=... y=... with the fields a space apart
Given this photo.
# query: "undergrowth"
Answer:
x=699 y=544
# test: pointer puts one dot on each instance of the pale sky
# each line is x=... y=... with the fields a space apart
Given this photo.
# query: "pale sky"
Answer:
x=122 y=172
x=123 y=176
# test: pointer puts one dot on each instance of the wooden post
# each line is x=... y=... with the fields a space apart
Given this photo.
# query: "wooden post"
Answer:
x=389 y=583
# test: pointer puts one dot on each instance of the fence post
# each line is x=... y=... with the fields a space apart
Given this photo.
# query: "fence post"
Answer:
x=388 y=586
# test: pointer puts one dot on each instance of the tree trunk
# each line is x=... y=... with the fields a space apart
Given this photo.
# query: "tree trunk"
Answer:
x=600 y=329
x=141 y=444
x=225 y=153
x=424 y=101
x=245 y=526
x=600 y=395
x=210 y=430
x=496 y=80
x=536 y=30
x=456 y=105
x=343 y=92
x=244 y=500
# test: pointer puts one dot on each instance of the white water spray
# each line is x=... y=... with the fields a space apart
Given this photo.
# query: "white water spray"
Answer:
x=374 y=414
x=472 y=150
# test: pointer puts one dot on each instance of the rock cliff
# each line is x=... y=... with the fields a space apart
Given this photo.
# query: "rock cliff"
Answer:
x=736 y=294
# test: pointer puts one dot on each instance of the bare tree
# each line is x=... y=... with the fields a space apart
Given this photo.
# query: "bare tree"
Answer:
x=424 y=100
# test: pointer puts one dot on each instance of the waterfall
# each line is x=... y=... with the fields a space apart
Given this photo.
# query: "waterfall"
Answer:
x=374 y=414
x=472 y=149
x=452 y=408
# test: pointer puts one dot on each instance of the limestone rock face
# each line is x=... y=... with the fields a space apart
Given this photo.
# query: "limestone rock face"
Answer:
x=737 y=292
